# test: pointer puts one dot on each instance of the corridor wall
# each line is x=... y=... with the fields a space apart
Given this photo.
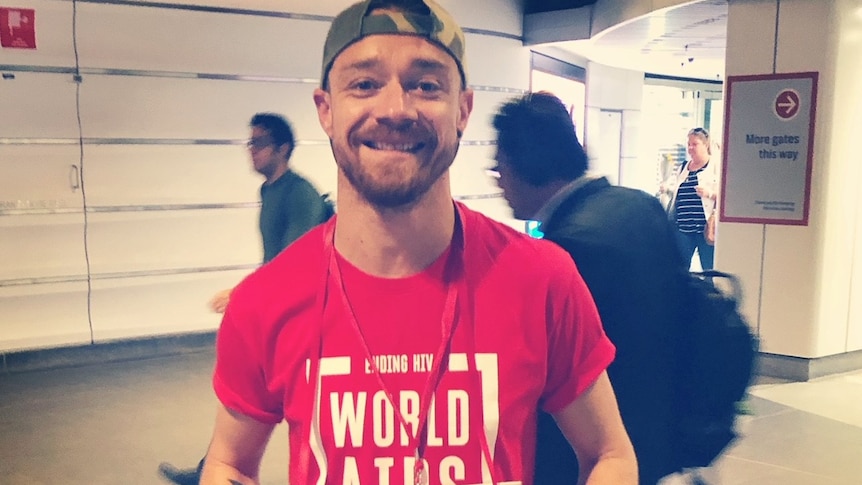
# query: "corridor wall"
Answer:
x=126 y=195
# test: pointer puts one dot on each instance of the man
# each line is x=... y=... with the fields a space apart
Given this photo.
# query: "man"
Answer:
x=380 y=337
x=290 y=206
x=624 y=247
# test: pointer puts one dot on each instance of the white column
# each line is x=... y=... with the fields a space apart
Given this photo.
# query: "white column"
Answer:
x=803 y=284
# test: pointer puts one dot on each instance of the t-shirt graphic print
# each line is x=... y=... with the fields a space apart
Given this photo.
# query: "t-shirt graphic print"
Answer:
x=367 y=438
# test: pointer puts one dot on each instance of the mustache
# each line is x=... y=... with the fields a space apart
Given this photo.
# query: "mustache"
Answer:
x=411 y=131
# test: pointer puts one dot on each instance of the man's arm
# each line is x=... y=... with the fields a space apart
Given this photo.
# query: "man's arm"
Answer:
x=236 y=449
x=593 y=426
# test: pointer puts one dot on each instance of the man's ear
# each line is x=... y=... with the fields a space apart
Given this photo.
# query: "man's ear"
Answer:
x=284 y=150
x=322 y=100
x=465 y=105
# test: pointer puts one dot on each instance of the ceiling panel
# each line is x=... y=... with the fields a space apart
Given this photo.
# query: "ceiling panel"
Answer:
x=687 y=40
x=537 y=6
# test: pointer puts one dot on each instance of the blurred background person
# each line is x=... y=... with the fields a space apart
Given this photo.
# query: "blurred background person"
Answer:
x=290 y=206
x=693 y=193
x=624 y=247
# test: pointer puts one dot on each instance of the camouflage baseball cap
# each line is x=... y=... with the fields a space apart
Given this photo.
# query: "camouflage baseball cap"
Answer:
x=356 y=22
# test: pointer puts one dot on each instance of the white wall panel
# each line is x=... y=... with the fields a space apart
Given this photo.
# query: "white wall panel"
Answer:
x=127 y=37
x=614 y=88
x=53 y=36
x=631 y=135
x=485 y=106
x=847 y=121
x=47 y=315
x=467 y=175
x=316 y=7
x=147 y=107
x=39 y=246
x=497 y=61
x=169 y=174
x=317 y=164
x=592 y=134
x=162 y=240
x=38 y=105
x=152 y=94
x=39 y=177
x=494 y=15
x=497 y=15
x=156 y=305
x=750 y=37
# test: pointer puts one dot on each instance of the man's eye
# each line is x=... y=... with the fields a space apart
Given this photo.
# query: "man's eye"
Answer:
x=428 y=87
x=364 y=85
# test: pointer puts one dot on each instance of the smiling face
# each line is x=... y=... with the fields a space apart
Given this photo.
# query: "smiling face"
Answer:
x=394 y=112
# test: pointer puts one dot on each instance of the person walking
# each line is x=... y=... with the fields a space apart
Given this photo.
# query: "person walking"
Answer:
x=624 y=247
x=290 y=207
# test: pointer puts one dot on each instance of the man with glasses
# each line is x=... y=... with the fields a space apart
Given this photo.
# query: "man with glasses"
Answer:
x=290 y=206
x=624 y=247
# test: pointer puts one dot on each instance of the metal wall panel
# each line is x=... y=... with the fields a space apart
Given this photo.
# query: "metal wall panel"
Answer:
x=170 y=207
x=46 y=315
x=111 y=36
x=170 y=240
x=38 y=105
x=158 y=305
x=41 y=246
x=186 y=108
x=129 y=175
x=39 y=177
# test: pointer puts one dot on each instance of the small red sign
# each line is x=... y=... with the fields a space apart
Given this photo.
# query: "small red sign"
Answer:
x=18 y=28
x=787 y=104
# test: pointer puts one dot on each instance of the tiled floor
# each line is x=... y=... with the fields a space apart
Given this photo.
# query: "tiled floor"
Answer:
x=113 y=424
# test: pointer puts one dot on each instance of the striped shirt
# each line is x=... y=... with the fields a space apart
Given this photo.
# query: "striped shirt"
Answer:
x=690 y=218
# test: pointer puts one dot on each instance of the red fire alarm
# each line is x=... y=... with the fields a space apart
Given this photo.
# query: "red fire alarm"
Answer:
x=18 y=28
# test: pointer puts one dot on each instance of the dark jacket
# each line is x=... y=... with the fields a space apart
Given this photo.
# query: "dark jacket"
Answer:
x=290 y=206
x=624 y=247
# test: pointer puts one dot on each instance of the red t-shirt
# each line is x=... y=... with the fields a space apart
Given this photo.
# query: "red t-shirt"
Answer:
x=526 y=335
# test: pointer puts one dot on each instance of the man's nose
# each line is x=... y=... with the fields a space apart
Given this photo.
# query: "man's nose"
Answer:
x=395 y=106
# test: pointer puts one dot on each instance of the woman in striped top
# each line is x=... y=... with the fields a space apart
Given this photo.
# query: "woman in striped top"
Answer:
x=694 y=192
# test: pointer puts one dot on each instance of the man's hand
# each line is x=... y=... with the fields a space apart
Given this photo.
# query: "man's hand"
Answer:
x=220 y=300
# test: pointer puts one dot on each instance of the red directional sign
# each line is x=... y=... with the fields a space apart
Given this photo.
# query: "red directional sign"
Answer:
x=787 y=104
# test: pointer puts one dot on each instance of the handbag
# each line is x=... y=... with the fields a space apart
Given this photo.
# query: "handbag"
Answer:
x=709 y=230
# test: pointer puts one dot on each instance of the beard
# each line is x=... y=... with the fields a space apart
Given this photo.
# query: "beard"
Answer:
x=397 y=186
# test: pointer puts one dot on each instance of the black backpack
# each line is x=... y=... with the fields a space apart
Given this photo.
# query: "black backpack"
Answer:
x=715 y=363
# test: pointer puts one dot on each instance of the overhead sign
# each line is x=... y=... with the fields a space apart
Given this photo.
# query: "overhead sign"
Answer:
x=768 y=148
x=18 y=28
